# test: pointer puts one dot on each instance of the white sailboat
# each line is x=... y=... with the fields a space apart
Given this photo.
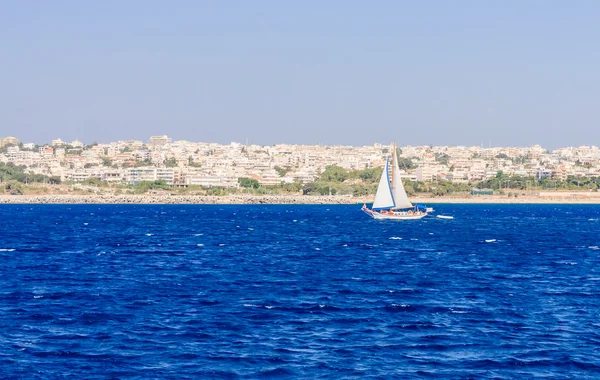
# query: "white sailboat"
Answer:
x=391 y=201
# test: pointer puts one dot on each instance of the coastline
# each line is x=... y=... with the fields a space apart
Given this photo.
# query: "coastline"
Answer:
x=174 y=199
x=583 y=198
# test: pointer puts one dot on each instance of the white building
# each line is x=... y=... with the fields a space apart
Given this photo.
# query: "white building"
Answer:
x=160 y=140
x=208 y=180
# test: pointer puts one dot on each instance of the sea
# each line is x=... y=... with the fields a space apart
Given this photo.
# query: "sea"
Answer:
x=298 y=291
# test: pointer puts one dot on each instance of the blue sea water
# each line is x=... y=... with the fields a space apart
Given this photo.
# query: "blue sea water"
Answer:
x=196 y=291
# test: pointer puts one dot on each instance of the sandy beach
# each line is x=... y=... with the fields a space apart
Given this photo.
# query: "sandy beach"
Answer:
x=548 y=198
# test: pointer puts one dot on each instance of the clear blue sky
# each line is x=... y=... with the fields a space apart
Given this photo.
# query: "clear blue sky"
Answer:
x=505 y=73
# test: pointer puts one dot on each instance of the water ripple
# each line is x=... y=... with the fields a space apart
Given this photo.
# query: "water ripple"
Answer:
x=187 y=292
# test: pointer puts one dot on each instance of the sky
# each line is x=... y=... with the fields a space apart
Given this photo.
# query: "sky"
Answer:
x=337 y=72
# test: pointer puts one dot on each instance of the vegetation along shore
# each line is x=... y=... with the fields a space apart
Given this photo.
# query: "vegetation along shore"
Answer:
x=334 y=185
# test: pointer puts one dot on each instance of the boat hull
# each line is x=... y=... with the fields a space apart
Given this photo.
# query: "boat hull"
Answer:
x=386 y=215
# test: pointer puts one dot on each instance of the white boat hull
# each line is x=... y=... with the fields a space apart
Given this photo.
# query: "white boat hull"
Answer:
x=395 y=215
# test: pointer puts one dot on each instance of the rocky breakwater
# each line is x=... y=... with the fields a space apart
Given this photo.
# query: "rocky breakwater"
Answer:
x=175 y=199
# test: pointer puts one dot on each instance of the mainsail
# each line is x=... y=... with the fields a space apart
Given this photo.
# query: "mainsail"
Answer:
x=384 y=197
x=400 y=197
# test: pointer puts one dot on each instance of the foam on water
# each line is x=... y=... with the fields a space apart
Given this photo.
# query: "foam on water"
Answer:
x=505 y=293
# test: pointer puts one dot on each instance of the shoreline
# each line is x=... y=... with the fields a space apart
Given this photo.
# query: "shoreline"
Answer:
x=584 y=198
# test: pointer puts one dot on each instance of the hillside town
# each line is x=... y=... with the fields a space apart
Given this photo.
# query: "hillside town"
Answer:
x=184 y=163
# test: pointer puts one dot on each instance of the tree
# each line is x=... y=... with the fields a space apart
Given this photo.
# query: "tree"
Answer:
x=14 y=188
x=282 y=171
x=146 y=162
x=248 y=183
x=333 y=173
x=408 y=188
x=362 y=190
x=54 y=180
x=442 y=158
x=192 y=163
x=440 y=191
x=406 y=163
x=17 y=173
x=144 y=186
x=309 y=188
x=293 y=187
x=95 y=181
x=171 y=162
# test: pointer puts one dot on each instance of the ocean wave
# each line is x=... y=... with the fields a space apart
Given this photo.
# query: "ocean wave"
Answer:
x=513 y=293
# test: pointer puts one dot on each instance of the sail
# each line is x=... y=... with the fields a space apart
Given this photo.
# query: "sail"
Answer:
x=400 y=197
x=384 y=197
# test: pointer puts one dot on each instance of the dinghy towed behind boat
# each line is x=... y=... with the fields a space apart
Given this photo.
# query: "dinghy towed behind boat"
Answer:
x=391 y=201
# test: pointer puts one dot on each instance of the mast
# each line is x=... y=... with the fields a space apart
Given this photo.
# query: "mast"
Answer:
x=393 y=164
x=400 y=198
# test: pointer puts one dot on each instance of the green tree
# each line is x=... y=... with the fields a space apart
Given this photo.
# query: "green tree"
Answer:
x=146 y=162
x=293 y=187
x=309 y=188
x=192 y=163
x=333 y=173
x=362 y=190
x=370 y=175
x=14 y=188
x=144 y=186
x=171 y=162
x=94 y=181
x=442 y=158
x=282 y=171
x=440 y=191
x=406 y=163
x=248 y=183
